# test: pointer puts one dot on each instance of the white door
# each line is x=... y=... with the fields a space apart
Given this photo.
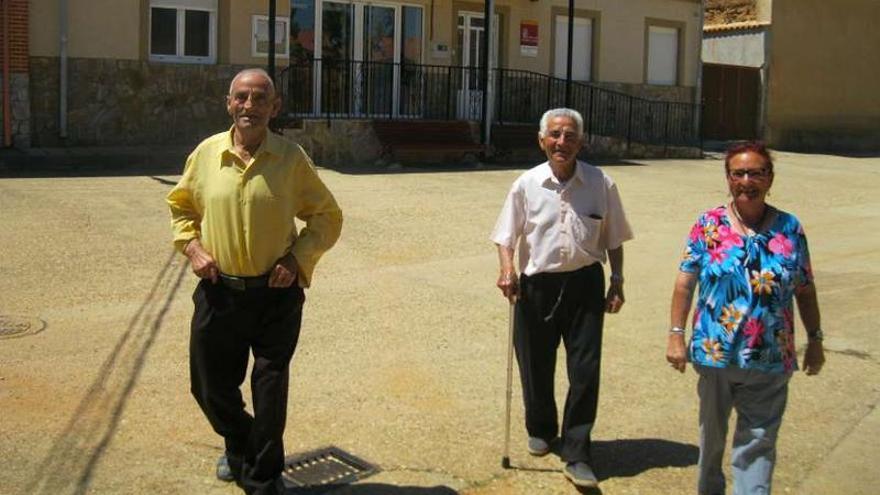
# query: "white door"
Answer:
x=582 y=48
x=471 y=41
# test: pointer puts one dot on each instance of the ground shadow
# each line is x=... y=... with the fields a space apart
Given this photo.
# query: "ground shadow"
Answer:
x=164 y=182
x=625 y=458
x=76 y=451
x=372 y=489
x=435 y=168
x=156 y=162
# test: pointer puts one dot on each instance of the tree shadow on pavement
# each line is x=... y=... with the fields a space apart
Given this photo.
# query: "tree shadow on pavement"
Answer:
x=76 y=451
x=372 y=489
x=629 y=457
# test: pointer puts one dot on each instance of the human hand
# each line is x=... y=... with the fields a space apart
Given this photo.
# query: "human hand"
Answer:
x=614 y=300
x=676 y=353
x=509 y=285
x=814 y=357
x=203 y=264
x=285 y=272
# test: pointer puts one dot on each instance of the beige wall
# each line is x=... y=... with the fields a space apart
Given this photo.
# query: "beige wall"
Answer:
x=96 y=28
x=823 y=74
x=238 y=19
x=117 y=29
x=621 y=34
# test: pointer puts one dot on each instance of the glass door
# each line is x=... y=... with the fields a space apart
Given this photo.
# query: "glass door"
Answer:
x=379 y=54
x=359 y=50
x=337 y=50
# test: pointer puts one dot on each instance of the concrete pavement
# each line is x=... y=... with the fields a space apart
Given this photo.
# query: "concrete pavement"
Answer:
x=402 y=356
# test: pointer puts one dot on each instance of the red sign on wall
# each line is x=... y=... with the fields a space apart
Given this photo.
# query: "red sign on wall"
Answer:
x=528 y=38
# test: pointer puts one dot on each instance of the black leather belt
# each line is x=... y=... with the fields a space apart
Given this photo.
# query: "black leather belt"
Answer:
x=244 y=283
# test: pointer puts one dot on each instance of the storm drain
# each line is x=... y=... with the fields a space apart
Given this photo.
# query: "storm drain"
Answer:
x=325 y=467
x=19 y=326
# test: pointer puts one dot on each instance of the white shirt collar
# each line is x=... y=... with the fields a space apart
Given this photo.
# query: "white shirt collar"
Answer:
x=547 y=174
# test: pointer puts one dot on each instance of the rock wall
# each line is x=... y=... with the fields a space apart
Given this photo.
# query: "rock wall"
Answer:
x=340 y=143
x=126 y=102
x=680 y=94
x=19 y=110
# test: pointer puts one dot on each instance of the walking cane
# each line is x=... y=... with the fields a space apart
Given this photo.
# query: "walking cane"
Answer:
x=505 y=460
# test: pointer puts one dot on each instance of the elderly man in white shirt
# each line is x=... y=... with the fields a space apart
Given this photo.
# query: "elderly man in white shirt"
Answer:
x=565 y=218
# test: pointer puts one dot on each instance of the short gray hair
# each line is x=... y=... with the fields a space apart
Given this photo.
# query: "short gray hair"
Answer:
x=561 y=112
x=247 y=72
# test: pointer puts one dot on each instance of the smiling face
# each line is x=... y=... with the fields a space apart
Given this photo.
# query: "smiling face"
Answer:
x=561 y=142
x=252 y=102
x=749 y=177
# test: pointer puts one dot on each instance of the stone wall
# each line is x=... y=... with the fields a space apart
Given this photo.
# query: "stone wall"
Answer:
x=127 y=102
x=339 y=143
x=352 y=144
x=20 y=110
x=680 y=94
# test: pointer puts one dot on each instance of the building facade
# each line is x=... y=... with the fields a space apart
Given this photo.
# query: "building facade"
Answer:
x=802 y=73
x=156 y=71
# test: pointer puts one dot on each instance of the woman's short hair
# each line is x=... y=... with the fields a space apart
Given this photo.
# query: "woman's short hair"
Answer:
x=561 y=112
x=757 y=147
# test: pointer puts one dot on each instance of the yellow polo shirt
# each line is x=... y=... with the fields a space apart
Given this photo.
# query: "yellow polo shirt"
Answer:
x=245 y=213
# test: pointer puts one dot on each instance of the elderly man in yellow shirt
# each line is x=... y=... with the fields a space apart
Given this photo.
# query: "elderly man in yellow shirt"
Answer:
x=234 y=216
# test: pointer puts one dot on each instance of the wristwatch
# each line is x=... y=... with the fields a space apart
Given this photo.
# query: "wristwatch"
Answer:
x=616 y=278
x=816 y=335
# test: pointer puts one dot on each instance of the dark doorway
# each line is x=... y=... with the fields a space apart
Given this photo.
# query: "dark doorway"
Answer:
x=730 y=101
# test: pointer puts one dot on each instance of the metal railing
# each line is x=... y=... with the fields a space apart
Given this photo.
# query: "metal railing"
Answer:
x=344 y=89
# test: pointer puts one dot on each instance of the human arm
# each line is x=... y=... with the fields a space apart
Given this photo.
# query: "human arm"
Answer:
x=186 y=219
x=505 y=235
x=323 y=224
x=507 y=279
x=201 y=261
x=808 y=307
x=682 y=297
x=614 y=299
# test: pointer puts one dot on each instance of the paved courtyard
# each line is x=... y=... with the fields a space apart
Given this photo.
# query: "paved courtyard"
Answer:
x=402 y=355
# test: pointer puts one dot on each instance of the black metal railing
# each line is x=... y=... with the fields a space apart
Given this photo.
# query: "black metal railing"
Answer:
x=344 y=89
x=523 y=96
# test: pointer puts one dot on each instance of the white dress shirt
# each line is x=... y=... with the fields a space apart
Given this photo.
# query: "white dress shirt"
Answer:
x=561 y=227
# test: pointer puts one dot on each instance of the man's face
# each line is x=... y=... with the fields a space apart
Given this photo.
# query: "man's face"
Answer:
x=562 y=141
x=251 y=102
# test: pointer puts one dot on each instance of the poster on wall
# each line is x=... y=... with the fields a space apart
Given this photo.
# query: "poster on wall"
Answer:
x=528 y=38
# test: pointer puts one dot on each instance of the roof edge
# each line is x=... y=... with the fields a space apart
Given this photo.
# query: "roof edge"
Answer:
x=735 y=26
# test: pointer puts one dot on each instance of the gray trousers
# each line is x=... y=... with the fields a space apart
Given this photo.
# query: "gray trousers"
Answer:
x=759 y=399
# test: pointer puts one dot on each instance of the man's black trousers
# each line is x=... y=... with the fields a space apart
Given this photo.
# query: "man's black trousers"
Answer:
x=227 y=325
x=569 y=306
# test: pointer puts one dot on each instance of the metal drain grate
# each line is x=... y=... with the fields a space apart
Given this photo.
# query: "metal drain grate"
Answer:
x=19 y=326
x=325 y=467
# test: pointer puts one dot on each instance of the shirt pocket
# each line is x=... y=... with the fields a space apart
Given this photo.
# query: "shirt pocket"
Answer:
x=586 y=231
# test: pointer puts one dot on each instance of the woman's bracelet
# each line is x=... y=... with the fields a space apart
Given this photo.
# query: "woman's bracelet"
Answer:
x=677 y=330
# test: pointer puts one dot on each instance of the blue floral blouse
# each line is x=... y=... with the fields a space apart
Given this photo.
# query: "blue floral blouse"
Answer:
x=744 y=314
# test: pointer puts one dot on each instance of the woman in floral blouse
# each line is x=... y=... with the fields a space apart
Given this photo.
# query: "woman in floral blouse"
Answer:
x=750 y=261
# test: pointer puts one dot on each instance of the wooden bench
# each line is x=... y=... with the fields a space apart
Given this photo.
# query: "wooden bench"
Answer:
x=427 y=140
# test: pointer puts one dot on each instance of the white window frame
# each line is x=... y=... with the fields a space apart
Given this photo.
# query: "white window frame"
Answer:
x=285 y=38
x=209 y=6
x=676 y=56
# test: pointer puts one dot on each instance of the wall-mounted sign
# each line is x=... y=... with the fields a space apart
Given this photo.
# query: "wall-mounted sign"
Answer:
x=439 y=50
x=528 y=38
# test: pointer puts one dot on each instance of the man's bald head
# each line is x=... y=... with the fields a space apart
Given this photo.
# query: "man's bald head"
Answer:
x=253 y=71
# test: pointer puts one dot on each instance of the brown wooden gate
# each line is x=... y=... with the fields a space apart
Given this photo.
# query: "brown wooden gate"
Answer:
x=730 y=101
